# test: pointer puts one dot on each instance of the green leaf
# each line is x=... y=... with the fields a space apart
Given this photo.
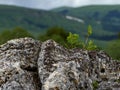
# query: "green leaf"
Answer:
x=91 y=46
x=89 y=30
x=73 y=40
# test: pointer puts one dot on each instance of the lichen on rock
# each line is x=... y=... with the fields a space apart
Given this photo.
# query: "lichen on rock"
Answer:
x=77 y=69
x=18 y=64
x=28 y=64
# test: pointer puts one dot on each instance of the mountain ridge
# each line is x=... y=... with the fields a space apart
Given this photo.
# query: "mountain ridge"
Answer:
x=103 y=17
x=38 y=21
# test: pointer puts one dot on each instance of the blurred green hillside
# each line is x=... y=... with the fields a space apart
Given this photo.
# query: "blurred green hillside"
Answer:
x=105 y=20
x=36 y=21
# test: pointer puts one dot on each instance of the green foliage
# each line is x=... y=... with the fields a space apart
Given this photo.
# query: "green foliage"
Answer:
x=19 y=32
x=56 y=33
x=113 y=49
x=36 y=21
x=89 y=30
x=13 y=16
x=5 y=36
x=95 y=85
x=97 y=15
x=73 y=41
x=91 y=45
x=13 y=34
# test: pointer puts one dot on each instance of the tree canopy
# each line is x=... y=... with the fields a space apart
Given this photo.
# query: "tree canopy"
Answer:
x=13 y=34
x=56 y=33
x=113 y=49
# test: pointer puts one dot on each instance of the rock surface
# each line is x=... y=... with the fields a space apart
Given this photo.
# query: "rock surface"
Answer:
x=18 y=65
x=27 y=64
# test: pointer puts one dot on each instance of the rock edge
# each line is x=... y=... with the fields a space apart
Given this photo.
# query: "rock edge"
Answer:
x=28 y=64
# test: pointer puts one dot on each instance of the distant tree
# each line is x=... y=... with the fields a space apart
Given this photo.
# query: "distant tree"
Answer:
x=5 y=36
x=13 y=34
x=56 y=33
x=19 y=32
x=113 y=49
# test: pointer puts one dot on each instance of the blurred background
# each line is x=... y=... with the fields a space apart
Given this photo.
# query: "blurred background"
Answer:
x=54 y=19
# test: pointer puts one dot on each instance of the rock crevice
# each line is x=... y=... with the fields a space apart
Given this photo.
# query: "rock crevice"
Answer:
x=28 y=64
x=18 y=64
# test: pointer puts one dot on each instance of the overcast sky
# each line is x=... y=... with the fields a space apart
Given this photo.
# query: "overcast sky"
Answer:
x=49 y=4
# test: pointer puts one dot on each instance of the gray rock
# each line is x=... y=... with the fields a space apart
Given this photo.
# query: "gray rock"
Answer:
x=18 y=64
x=27 y=64
x=77 y=69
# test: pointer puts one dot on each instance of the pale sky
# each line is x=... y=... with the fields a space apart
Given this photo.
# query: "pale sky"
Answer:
x=49 y=4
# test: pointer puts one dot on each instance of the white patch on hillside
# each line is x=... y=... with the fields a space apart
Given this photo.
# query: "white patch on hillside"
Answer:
x=75 y=19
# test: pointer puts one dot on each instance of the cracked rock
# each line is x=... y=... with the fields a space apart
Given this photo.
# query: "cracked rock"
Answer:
x=28 y=64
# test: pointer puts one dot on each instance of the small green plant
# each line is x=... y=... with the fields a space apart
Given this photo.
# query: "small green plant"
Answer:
x=95 y=85
x=88 y=34
x=89 y=44
x=73 y=41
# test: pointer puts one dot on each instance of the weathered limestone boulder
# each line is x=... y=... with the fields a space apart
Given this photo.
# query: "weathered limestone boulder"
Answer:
x=18 y=65
x=27 y=64
x=77 y=69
